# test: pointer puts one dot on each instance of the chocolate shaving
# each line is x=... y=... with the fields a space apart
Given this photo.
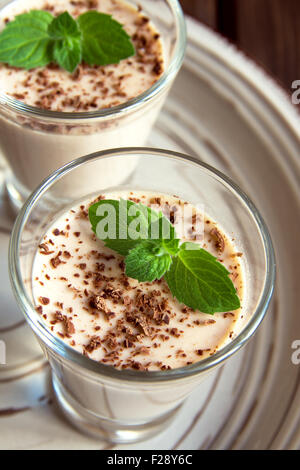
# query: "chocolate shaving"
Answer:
x=56 y=261
x=95 y=343
x=99 y=303
x=45 y=249
x=220 y=242
x=69 y=326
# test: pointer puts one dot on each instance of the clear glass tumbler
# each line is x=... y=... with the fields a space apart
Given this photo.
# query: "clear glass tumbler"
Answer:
x=127 y=405
x=35 y=142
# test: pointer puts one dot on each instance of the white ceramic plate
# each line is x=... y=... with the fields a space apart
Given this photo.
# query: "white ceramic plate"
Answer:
x=227 y=112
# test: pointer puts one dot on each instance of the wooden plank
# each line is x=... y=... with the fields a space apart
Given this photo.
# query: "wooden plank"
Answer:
x=269 y=31
x=202 y=10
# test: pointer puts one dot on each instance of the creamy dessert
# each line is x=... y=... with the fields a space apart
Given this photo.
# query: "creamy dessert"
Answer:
x=37 y=143
x=85 y=298
x=89 y=88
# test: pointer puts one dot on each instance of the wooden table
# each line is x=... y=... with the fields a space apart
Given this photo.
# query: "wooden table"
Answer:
x=267 y=30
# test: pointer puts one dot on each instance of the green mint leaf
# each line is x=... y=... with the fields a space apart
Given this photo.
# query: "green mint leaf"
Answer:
x=110 y=221
x=104 y=39
x=172 y=245
x=152 y=250
x=25 y=41
x=197 y=279
x=36 y=38
x=147 y=261
x=122 y=225
x=67 y=57
x=39 y=18
x=67 y=46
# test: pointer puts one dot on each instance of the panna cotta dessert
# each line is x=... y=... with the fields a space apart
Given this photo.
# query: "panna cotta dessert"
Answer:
x=137 y=295
x=88 y=88
x=52 y=116
x=85 y=297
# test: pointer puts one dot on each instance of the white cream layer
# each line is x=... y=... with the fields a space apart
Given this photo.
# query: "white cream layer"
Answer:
x=68 y=288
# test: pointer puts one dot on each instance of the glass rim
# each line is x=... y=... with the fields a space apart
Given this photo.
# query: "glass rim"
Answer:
x=167 y=77
x=60 y=348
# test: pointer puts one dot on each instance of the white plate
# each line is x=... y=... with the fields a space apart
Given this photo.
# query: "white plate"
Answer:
x=227 y=112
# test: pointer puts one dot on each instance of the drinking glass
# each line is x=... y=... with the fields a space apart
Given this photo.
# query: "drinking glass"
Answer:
x=129 y=405
x=35 y=142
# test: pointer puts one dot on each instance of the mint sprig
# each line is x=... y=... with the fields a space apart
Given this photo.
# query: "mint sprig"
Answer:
x=152 y=250
x=36 y=39
x=67 y=37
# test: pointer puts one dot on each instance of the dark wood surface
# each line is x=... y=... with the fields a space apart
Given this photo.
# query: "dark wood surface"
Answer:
x=267 y=30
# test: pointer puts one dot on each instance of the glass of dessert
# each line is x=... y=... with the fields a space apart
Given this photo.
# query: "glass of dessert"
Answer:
x=132 y=319
x=50 y=115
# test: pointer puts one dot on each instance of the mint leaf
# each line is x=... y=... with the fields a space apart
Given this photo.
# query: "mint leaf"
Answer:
x=147 y=261
x=197 y=279
x=152 y=250
x=172 y=245
x=67 y=46
x=40 y=18
x=36 y=38
x=110 y=221
x=123 y=224
x=104 y=39
x=25 y=41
